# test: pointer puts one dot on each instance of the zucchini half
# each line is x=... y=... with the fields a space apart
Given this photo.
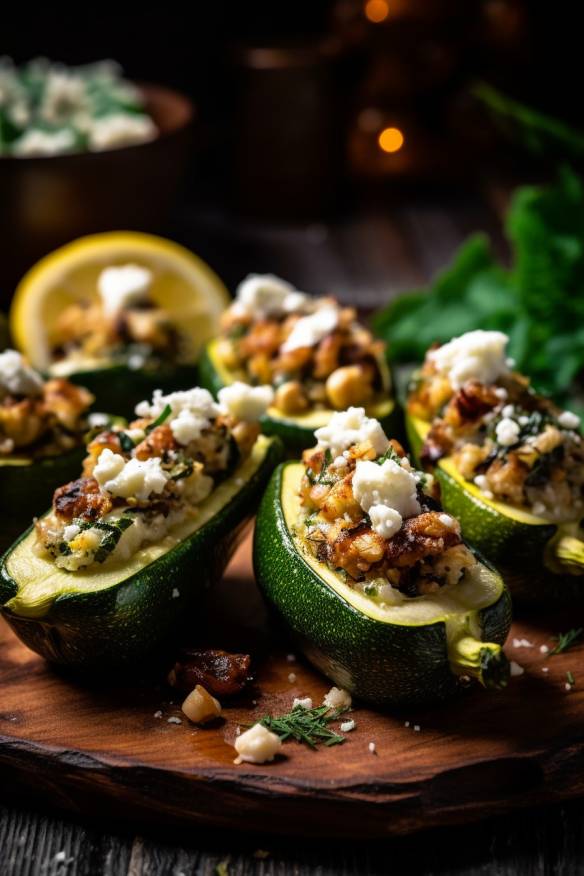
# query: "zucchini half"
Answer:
x=116 y=614
x=28 y=484
x=297 y=432
x=541 y=562
x=412 y=653
x=120 y=388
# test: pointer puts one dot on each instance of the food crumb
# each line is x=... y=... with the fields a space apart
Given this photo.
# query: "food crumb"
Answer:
x=417 y=728
x=291 y=658
x=60 y=857
x=545 y=669
x=522 y=643
x=303 y=702
x=173 y=721
x=406 y=723
x=372 y=747
x=544 y=649
x=568 y=686
x=515 y=668
x=175 y=593
x=347 y=726
x=158 y=714
x=291 y=678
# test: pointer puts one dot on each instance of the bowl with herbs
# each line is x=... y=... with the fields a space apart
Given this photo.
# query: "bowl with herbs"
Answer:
x=83 y=149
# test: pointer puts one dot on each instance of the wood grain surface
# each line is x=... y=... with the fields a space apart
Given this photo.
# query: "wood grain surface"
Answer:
x=99 y=747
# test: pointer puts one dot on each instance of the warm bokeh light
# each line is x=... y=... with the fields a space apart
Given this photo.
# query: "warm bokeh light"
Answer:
x=390 y=140
x=376 y=10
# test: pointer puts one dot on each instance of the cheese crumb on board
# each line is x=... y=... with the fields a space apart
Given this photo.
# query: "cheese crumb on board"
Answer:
x=337 y=698
x=257 y=745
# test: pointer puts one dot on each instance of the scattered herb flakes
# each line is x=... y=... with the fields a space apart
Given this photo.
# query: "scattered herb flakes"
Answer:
x=570 y=678
x=389 y=454
x=309 y=726
x=566 y=640
x=159 y=419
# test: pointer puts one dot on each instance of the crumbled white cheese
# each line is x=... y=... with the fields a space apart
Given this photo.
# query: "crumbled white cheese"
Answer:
x=138 y=478
x=568 y=420
x=303 y=702
x=372 y=747
x=417 y=728
x=388 y=485
x=507 y=432
x=385 y=521
x=188 y=426
x=291 y=677
x=483 y=485
x=522 y=643
x=538 y=508
x=37 y=143
x=197 y=400
x=175 y=593
x=310 y=330
x=245 y=402
x=544 y=649
x=448 y=521
x=478 y=355
x=337 y=698
x=291 y=658
x=266 y=295
x=70 y=532
x=349 y=427
x=501 y=392
x=347 y=726
x=120 y=129
x=508 y=411
x=257 y=745
x=123 y=285
x=515 y=668
x=158 y=714
x=545 y=669
x=16 y=377
x=173 y=721
x=568 y=686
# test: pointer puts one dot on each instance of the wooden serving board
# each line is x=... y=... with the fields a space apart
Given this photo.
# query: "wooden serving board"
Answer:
x=100 y=749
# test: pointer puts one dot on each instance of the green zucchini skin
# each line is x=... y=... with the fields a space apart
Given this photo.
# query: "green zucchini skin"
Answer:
x=385 y=664
x=26 y=488
x=120 y=388
x=122 y=624
x=294 y=436
x=517 y=549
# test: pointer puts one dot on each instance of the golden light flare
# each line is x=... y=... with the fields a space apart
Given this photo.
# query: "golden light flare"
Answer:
x=376 y=11
x=390 y=140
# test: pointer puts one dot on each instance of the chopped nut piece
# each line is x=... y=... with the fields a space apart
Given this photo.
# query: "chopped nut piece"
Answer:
x=200 y=707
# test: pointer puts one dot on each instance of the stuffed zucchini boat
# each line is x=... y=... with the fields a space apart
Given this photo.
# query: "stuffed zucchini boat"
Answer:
x=43 y=424
x=120 y=313
x=126 y=549
x=370 y=575
x=312 y=351
x=510 y=464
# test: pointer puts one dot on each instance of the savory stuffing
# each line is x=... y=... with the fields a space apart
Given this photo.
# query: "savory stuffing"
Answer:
x=221 y=673
x=38 y=418
x=367 y=513
x=512 y=443
x=312 y=351
x=122 y=325
x=137 y=483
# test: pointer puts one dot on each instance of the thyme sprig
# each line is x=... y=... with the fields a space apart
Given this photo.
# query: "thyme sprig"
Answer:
x=309 y=726
x=159 y=419
x=566 y=640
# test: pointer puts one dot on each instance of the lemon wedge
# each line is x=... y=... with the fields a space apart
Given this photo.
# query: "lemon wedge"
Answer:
x=184 y=285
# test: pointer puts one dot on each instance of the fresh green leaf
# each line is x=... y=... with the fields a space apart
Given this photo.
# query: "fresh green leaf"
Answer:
x=566 y=640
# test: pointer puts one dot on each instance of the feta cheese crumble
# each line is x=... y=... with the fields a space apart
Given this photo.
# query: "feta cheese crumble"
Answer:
x=568 y=420
x=120 y=129
x=257 y=745
x=266 y=295
x=478 y=355
x=303 y=702
x=349 y=427
x=388 y=492
x=122 y=286
x=347 y=726
x=197 y=400
x=36 y=143
x=137 y=478
x=245 y=402
x=337 y=698
x=507 y=432
x=310 y=330
x=515 y=669
x=372 y=747
x=16 y=377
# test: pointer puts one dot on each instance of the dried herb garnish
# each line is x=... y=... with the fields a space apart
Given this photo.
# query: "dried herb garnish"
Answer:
x=570 y=678
x=389 y=454
x=309 y=726
x=566 y=640
x=159 y=419
x=126 y=442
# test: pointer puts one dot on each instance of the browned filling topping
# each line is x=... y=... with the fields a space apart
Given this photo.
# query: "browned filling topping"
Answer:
x=425 y=554
x=340 y=370
x=515 y=444
x=44 y=424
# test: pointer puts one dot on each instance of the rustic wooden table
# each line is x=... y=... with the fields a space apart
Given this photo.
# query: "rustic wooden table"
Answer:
x=365 y=260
